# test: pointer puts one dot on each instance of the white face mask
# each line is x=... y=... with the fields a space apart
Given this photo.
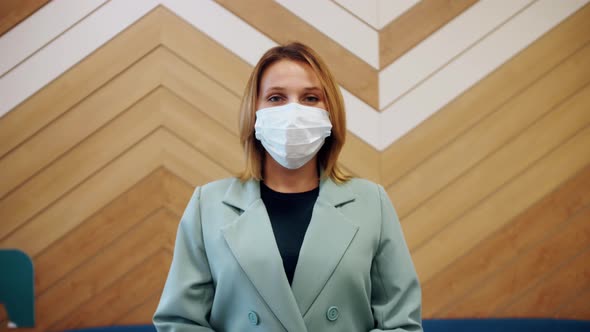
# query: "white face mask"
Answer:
x=292 y=134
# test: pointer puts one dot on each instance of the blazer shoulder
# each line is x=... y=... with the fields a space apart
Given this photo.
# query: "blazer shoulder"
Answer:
x=364 y=188
x=217 y=187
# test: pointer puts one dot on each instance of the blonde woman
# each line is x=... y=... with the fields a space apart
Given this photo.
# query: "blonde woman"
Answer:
x=293 y=243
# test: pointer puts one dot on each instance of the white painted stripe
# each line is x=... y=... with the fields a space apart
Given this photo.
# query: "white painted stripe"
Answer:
x=339 y=25
x=361 y=119
x=389 y=10
x=69 y=48
x=443 y=45
x=365 y=10
x=40 y=28
x=472 y=66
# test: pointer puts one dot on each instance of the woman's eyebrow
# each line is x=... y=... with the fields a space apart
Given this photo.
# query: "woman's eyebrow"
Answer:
x=306 y=89
x=275 y=88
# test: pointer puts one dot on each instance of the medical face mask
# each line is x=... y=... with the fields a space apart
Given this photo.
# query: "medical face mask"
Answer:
x=292 y=134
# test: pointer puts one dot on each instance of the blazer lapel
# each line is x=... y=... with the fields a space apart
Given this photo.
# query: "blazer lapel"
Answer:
x=252 y=242
x=326 y=240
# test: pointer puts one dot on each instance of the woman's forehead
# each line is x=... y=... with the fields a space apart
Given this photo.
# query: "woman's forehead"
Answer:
x=286 y=73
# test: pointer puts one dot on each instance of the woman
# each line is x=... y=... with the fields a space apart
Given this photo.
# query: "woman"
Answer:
x=293 y=244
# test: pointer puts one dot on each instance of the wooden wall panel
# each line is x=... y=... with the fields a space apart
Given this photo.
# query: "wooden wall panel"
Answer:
x=141 y=313
x=502 y=249
x=498 y=130
x=502 y=206
x=564 y=284
x=489 y=175
x=96 y=169
x=513 y=282
x=104 y=269
x=485 y=97
x=578 y=308
x=90 y=74
x=99 y=231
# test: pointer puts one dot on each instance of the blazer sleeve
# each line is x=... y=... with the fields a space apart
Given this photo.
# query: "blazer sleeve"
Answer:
x=185 y=304
x=396 y=295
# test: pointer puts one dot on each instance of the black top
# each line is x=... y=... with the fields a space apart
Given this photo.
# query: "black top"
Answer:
x=290 y=214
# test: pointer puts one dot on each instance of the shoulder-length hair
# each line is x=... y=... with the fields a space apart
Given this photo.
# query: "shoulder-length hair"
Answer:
x=328 y=154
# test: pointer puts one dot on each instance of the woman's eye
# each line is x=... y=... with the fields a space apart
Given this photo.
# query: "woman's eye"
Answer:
x=274 y=99
x=312 y=99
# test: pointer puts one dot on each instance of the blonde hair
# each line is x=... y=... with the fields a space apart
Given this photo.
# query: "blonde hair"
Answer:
x=328 y=154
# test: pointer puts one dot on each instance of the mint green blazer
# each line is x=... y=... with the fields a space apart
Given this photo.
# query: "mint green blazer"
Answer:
x=354 y=271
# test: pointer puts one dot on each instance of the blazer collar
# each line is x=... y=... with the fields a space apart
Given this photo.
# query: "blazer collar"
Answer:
x=241 y=195
x=251 y=239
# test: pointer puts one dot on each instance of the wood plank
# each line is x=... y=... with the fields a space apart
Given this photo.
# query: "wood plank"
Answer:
x=88 y=197
x=556 y=291
x=201 y=91
x=134 y=287
x=80 y=121
x=502 y=206
x=81 y=161
x=485 y=97
x=525 y=271
x=577 y=308
x=176 y=194
x=207 y=55
x=12 y=12
x=189 y=164
x=99 y=272
x=544 y=217
x=141 y=314
x=492 y=173
x=79 y=82
x=413 y=26
x=360 y=158
x=100 y=230
x=64 y=173
x=202 y=132
x=350 y=71
x=491 y=134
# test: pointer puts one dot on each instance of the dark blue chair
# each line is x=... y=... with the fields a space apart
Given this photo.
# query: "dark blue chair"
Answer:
x=17 y=292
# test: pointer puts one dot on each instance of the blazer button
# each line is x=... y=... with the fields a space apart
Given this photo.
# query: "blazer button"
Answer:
x=332 y=313
x=253 y=318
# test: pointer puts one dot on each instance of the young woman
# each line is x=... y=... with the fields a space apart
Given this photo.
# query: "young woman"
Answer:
x=293 y=244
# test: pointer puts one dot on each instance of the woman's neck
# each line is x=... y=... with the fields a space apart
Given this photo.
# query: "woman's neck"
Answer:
x=281 y=179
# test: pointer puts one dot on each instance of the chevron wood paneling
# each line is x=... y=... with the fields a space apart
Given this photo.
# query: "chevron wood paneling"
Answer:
x=503 y=249
x=485 y=97
x=413 y=26
x=524 y=113
x=492 y=190
x=282 y=26
x=489 y=174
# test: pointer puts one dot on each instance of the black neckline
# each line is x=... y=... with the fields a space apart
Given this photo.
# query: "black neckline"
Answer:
x=269 y=192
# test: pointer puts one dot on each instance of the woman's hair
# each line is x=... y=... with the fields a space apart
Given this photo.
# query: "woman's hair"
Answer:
x=328 y=154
